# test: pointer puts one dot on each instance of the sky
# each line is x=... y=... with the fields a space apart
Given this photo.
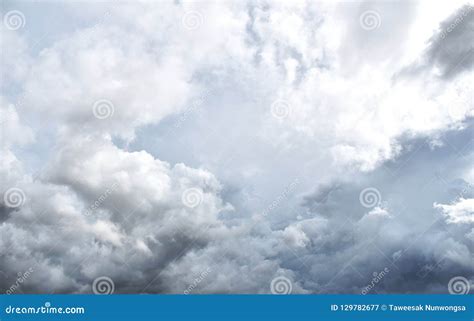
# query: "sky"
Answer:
x=197 y=147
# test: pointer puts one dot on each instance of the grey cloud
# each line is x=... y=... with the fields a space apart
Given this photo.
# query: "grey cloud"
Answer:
x=419 y=247
x=451 y=48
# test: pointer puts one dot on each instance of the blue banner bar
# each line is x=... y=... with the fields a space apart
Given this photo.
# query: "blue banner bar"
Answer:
x=237 y=307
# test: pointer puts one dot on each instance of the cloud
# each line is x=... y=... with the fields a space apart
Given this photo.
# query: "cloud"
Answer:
x=135 y=84
x=451 y=50
x=141 y=214
x=229 y=144
x=460 y=212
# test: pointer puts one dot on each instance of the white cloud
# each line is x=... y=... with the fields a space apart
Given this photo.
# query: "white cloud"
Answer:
x=461 y=211
x=14 y=132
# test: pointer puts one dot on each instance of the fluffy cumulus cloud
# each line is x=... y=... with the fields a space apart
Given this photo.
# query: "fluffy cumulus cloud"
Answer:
x=214 y=147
